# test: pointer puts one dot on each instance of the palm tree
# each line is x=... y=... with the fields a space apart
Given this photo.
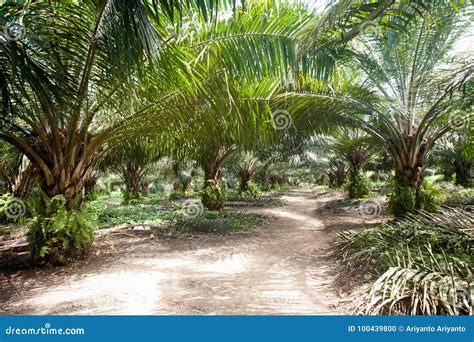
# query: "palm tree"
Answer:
x=68 y=92
x=183 y=173
x=218 y=125
x=60 y=80
x=336 y=170
x=403 y=93
x=246 y=169
x=356 y=149
x=455 y=156
x=132 y=160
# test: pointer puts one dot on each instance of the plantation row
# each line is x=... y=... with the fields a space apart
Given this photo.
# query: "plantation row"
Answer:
x=149 y=102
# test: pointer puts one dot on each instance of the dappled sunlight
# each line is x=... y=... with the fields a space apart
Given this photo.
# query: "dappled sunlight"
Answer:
x=277 y=269
x=290 y=215
x=115 y=292
x=230 y=264
x=303 y=222
x=163 y=263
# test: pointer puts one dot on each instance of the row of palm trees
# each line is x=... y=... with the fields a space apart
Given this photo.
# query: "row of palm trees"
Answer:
x=201 y=79
x=406 y=93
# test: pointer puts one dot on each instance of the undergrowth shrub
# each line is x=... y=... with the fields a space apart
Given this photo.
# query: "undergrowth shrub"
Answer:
x=358 y=185
x=131 y=215
x=216 y=222
x=423 y=264
x=177 y=195
x=406 y=199
x=214 y=195
x=59 y=235
x=131 y=197
x=253 y=191
x=459 y=196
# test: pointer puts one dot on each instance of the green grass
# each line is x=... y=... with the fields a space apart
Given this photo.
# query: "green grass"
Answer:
x=460 y=196
x=132 y=215
x=265 y=199
x=264 y=202
x=216 y=222
x=173 y=219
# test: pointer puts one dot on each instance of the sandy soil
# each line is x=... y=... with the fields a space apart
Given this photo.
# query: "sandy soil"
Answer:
x=282 y=267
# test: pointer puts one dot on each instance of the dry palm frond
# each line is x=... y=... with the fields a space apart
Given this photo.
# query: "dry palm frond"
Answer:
x=424 y=263
x=423 y=287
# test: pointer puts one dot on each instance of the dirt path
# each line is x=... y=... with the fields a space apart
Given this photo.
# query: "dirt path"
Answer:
x=280 y=268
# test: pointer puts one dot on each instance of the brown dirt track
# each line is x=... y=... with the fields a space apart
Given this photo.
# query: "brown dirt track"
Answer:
x=282 y=267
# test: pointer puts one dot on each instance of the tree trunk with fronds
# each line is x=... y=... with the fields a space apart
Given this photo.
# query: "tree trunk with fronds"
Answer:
x=89 y=187
x=213 y=195
x=62 y=173
x=463 y=171
x=245 y=179
x=132 y=178
x=410 y=192
x=337 y=174
x=357 y=185
x=62 y=229
x=145 y=183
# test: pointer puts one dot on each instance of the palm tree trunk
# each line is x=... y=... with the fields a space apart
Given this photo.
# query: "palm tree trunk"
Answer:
x=245 y=179
x=145 y=183
x=358 y=185
x=59 y=237
x=185 y=181
x=131 y=177
x=463 y=170
x=89 y=187
x=407 y=193
x=68 y=186
x=214 y=190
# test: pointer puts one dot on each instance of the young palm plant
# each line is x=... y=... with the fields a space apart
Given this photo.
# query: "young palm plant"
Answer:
x=246 y=170
x=423 y=263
